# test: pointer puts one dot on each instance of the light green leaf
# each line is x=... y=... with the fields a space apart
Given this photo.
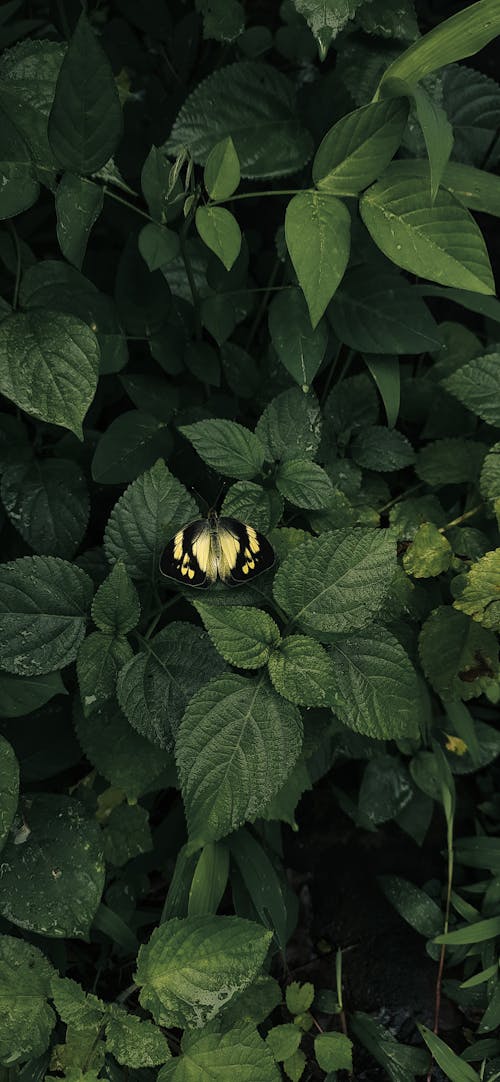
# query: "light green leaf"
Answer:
x=85 y=123
x=126 y=835
x=326 y=18
x=479 y=931
x=49 y=363
x=142 y=521
x=79 y=203
x=295 y=1066
x=19 y=187
x=260 y=507
x=480 y=596
x=253 y=103
x=437 y=132
x=43 y=607
x=385 y=372
x=131 y=444
x=157 y=245
x=220 y=231
x=474 y=188
x=413 y=904
x=304 y=484
x=121 y=755
x=454 y=1068
x=244 y=636
x=283 y=1040
x=338 y=582
x=459 y=657
x=213 y=1054
x=382 y=449
x=302 y=672
x=318 y=238
x=237 y=743
x=226 y=446
x=48 y=502
x=299 y=997
x=255 y=1003
x=157 y=684
x=222 y=171
x=300 y=348
x=116 y=608
x=27 y=1020
x=377 y=685
x=20 y=695
x=100 y=658
x=333 y=1052
x=209 y=880
x=52 y=882
x=359 y=147
x=378 y=311
x=135 y=1042
x=191 y=968
x=290 y=426
x=490 y=474
x=9 y=787
x=438 y=240
x=450 y=462
x=429 y=554
x=476 y=385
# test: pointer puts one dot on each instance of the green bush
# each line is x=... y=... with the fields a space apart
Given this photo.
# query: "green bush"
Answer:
x=238 y=250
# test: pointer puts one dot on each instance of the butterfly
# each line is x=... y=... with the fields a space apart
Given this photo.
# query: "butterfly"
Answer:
x=216 y=547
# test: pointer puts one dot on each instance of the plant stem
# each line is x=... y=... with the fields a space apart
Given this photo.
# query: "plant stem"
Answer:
x=15 y=238
x=439 y=979
x=263 y=304
x=125 y=203
x=261 y=195
x=402 y=496
x=192 y=284
x=461 y=518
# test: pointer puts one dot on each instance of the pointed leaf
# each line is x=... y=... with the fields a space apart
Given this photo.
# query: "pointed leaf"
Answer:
x=318 y=238
x=220 y=232
x=359 y=147
x=228 y=447
x=79 y=203
x=378 y=690
x=222 y=171
x=244 y=636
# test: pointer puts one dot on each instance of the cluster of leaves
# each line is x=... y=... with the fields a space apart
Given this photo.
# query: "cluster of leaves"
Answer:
x=166 y=322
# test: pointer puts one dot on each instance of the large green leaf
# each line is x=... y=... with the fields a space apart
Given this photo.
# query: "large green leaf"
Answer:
x=318 y=238
x=472 y=102
x=49 y=363
x=27 y=1019
x=214 y=1053
x=480 y=596
x=379 y=448
x=85 y=122
x=237 y=743
x=228 y=447
x=48 y=502
x=302 y=672
x=327 y=18
x=459 y=657
x=254 y=104
x=43 y=606
x=413 y=904
x=377 y=685
x=243 y=636
x=300 y=348
x=191 y=968
x=453 y=1066
x=130 y=445
x=52 y=882
x=116 y=608
x=476 y=385
x=135 y=1042
x=290 y=426
x=9 y=787
x=304 y=484
x=28 y=75
x=338 y=582
x=19 y=186
x=437 y=240
x=359 y=147
x=79 y=203
x=220 y=232
x=260 y=507
x=474 y=188
x=450 y=462
x=20 y=695
x=118 y=752
x=377 y=311
x=100 y=658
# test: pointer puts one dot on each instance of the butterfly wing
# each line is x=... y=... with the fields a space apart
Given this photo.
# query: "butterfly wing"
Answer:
x=188 y=558
x=244 y=552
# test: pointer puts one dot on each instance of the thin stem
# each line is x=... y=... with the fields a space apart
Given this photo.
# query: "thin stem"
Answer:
x=461 y=518
x=190 y=277
x=402 y=496
x=439 y=979
x=15 y=238
x=125 y=203
x=127 y=993
x=331 y=373
x=260 y=195
x=263 y=305
x=346 y=365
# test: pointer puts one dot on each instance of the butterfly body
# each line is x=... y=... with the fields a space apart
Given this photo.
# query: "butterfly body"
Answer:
x=214 y=548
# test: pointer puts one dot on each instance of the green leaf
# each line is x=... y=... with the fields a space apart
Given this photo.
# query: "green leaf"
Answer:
x=318 y=238
x=131 y=444
x=389 y=19
x=255 y=1003
x=245 y=637
x=19 y=187
x=261 y=507
x=401 y=1062
x=304 y=484
x=100 y=658
x=472 y=102
x=228 y=447
x=262 y=883
x=454 y=1068
x=386 y=374
x=378 y=311
x=450 y=462
x=359 y=147
x=222 y=171
x=437 y=132
x=326 y=18
x=338 y=582
x=121 y=755
x=476 y=385
x=79 y=203
x=126 y=834
x=284 y=804
x=48 y=502
x=385 y=790
x=116 y=608
x=300 y=348
x=49 y=364
x=290 y=426
x=255 y=105
x=213 y=1054
x=283 y=1040
x=43 y=607
x=9 y=788
x=157 y=245
x=142 y=521
x=85 y=123
x=429 y=554
x=302 y=672
x=490 y=474
x=220 y=231
x=223 y=20
x=28 y=75
x=209 y=880
x=52 y=882
x=480 y=596
x=413 y=904
x=379 y=448
x=438 y=240
x=333 y=1052
x=480 y=931
x=191 y=968
x=377 y=686
x=295 y=1066
x=20 y=695
x=237 y=743
x=27 y=1020
x=135 y=1042
x=459 y=657
x=299 y=997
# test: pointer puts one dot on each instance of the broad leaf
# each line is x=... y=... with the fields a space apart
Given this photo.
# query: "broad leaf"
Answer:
x=27 y=1019
x=220 y=232
x=79 y=203
x=28 y=75
x=130 y=445
x=135 y=1042
x=259 y=507
x=100 y=658
x=480 y=595
x=283 y=1040
x=304 y=484
x=290 y=426
x=300 y=348
x=359 y=147
x=476 y=385
x=379 y=448
x=121 y=755
x=333 y=1051
x=377 y=311
x=214 y=1053
x=226 y=446
x=302 y=672
x=413 y=904
x=459 y=657
x=318 y=238
x=378 y=688
x=222 y=171
x=327 y=18
x=19 y=186
x=9 y=788
x=157 y=245
x=245 y=637
x=116 y=608
x=48 y=502
x=20 y=695
x=429 y=554
x=450 y=462
x=126 y=834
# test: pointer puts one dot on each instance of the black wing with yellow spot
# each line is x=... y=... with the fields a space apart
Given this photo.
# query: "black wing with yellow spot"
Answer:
x=250 y=555
x=180 y=561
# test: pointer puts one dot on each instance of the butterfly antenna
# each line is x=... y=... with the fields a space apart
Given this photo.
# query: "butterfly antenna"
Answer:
x=200 y=497
x=223 y=488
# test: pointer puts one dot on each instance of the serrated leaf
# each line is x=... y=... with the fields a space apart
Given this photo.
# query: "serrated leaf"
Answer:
x=191 y=968
x=413 y=904
x=302 y=672
x=379 y=448
x=142 y=521
x=260 y=507
x=20 y=695
x=295 y=1066
x=126 y=835
x=28 y=75
x=283 y=1040
x=222 y=171
x=43 y=607
x=338 y=582
x=318 y=238
x=377 y=311
x=220 y=231
x=100 y=658
x=237 y=743
x=459 y=657
x=135 y=1042
x=19 y=187
x=377 y=686
x=438 y=240
x=472 y=102
x=476 y=385
x=52 y=882
x=213 y=1054
x=359 y=147
x=490 y=474
x=157 y=684
x=27 y=1019
x=244 y=636
x=450 y=462
x=299 y=997
x=226 y=446
x=333 y=1051
x=79 y=203
x=131 y=444
x=480 y=596
x=121 y=755
x=304 y=484
x=326 y=18
x=300 y=348
x=9 y=787
x=255 y=105
x=48 y=502
x=85 y=123
x=116 y=608
x=429 y=554
x=49 y=363
x=290 y=426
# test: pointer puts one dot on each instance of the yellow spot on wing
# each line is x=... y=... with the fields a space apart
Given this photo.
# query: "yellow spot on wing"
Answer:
x=190 y=573
x=252 y=539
